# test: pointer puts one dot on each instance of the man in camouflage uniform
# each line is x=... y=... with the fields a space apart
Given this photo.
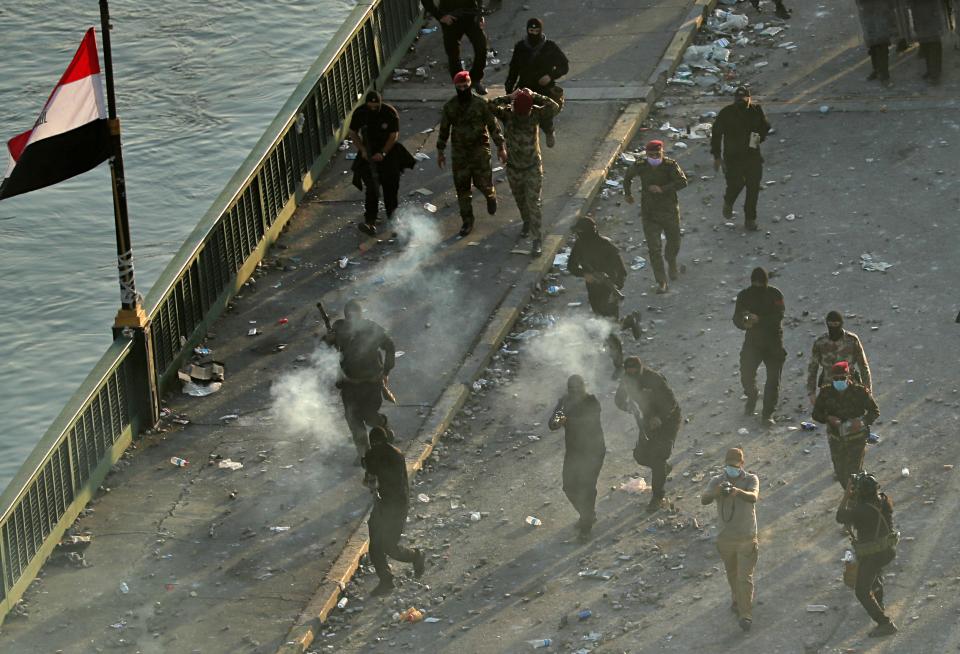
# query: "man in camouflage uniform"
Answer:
x=848 y=410
x=469 y=117
x=836 y=345
x=660 y=179
x=522 y=112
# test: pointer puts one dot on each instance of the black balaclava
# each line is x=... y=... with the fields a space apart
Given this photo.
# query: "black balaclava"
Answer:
x=836 y=332
x=465 y=95
x=576 y=389
x=741 y=97
x=759 y=277
x=534 y=23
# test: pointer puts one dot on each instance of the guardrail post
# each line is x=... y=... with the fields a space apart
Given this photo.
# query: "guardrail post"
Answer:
x=141 y=378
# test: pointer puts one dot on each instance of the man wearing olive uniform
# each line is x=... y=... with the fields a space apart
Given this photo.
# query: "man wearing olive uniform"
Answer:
x=660 y=179
x=836 y=345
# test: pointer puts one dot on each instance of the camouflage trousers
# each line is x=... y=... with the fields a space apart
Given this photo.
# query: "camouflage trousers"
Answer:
x=472 y=170
x=526 y=185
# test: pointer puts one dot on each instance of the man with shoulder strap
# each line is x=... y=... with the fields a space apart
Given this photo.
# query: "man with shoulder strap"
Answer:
x=869 y=513
x=363 y=370
x=537 y=63
x=848 y=411
x=736 y=493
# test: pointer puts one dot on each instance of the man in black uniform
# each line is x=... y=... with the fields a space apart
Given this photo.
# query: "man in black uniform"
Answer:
x=381 y=158
x=870 y=513
x=759 y=312
x=848 y=410
x=645 y=393
x=363 y=371
x=597 y=260
x=536 y=64
x=738 y=131
x=459 y=18
x=578 y=412
x=386 y=476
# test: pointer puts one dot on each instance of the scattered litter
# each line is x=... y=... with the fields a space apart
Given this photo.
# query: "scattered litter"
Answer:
x=428 y=30
x=421 y=71
x=627 y=157
x=343 y=262
x=351 y=156
x=196 y=390
x=868 y=263
x=424 y=191
x=283 y=321
x=498 y=169
x=634 y=486
x=574 y=304
x=540 y=643
x=817 y=608
x=432 y=208
x=873 y=438
x=771 y=31
x=177 y=461
x=252 y=331
x=554 y=290
x=743 y=431
x=595 y=574
x=698 y=55
x=421 y=156
x=124 y=588
x=824 y=108
x=808 y=426
x=423 y=497
x=681 y=82
x=526 y=335
x=427 y=131
x=230 y=417
x=905 y=472
x=475 y=516
x=411 y=615
x=202 y=351
x=342 y=604
x=201 y=380
x=431 y=620
x=638 y=263
x=278 y=530
x=560 y=259
x=399 y=353
x=614 y=183
x=532 y=521
x=731 y=23
x=228 y=464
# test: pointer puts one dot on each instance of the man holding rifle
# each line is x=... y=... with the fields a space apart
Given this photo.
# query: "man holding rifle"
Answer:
x=367 y=356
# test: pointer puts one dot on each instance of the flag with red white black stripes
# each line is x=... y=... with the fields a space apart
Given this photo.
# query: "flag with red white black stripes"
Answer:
x=70 y=136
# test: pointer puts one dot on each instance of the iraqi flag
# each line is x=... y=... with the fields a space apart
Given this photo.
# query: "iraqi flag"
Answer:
x=71 y=135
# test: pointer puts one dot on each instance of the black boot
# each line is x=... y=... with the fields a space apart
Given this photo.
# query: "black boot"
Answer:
x=882 y=65
x=874 y=74
x=934 y=57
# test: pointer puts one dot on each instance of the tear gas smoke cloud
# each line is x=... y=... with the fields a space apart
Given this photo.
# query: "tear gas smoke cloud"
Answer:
x=305 y=403
x=573 y=346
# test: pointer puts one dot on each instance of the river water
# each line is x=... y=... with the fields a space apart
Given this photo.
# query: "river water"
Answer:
x=197 y=83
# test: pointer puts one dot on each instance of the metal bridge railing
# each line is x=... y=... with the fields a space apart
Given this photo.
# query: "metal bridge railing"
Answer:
x=116 y=400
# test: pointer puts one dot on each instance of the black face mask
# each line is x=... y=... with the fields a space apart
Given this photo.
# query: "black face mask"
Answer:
x=535 y=39
x=743 y=103
x=836 y=333
x=464 y=95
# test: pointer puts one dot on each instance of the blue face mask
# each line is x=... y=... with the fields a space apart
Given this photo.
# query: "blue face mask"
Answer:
x=840 y=384
x=654 y=161
x=732 y=471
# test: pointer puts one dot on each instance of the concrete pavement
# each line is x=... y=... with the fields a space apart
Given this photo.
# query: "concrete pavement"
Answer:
x=873 y=174
x=203 y=550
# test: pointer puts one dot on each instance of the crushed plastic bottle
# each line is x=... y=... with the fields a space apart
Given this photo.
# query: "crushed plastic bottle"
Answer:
x=873 y=438
x=532 y=521
x=124 y=588
x=177 y=461
x=817 y=608
x=905 y=472
x=808 y=426
x=540 y=643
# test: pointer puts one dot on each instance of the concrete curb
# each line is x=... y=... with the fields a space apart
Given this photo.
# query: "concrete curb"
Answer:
x=311 y=620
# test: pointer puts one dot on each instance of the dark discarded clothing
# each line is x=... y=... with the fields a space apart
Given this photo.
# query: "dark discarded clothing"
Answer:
x=871 y=522
x=763 y=343
x=847 y=446
x=467 y=14
x=584 y=451
x=386 y=463
x=649 y=390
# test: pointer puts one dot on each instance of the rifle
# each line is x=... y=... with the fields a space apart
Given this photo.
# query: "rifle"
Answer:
x=384 y=389
x=605 y=281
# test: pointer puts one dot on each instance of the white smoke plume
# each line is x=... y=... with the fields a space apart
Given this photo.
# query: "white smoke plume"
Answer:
x=305 y=403
x=573 y=346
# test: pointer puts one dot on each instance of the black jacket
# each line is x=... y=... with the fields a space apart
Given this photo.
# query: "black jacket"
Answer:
x=386 y=463
x=767 y=303
x=360 y=343
x=530 y=63
x=597 y=254
x=583 y=430
x=732 y=129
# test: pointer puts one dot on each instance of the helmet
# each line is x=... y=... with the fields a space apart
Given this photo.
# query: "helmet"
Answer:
x=866 y=484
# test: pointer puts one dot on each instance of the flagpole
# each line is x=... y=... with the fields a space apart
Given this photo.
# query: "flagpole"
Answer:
x=131 y=314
